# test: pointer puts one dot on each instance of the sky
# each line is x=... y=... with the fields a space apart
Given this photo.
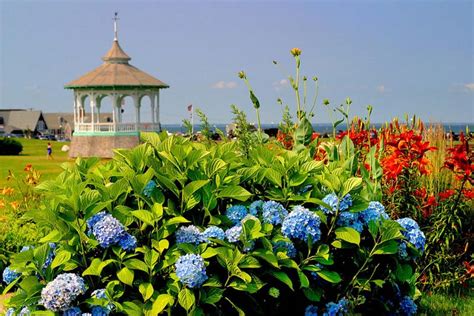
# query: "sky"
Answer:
x=401 y=57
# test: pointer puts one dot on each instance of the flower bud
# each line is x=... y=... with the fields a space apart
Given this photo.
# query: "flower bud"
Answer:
x=295 y=52
x=275 y=62
x=304 y=78
x=242 y=75
x=315 y=78
x=326 y=102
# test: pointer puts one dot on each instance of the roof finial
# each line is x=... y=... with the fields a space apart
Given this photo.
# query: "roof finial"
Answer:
x=115 y=26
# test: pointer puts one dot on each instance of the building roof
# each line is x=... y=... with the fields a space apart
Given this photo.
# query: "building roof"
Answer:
x=116 y=72
x=21 y=119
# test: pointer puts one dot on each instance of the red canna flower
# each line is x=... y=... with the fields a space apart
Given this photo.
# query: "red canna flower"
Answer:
x=446 y=194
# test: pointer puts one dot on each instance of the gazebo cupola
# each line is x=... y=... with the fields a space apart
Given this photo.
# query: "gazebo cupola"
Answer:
x=115 y=79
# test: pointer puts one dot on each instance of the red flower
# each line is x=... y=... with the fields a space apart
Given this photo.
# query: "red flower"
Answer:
x=28 y=167
x=469 y=194
x=461 y=161
x=469 y=268
x=446 y=194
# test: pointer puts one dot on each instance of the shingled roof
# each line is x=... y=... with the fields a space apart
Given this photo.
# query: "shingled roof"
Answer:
x=116 y=72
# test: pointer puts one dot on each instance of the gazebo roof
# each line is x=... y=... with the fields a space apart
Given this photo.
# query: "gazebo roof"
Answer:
x=116 y=72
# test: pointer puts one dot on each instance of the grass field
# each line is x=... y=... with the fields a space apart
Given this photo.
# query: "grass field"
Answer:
x=34 y=152
x=438 y=304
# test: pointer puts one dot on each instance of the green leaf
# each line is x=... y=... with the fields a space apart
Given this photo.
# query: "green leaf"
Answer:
x=267 y=255
x=177 y=220
x=235 y=192
x=192 y=187
x=303 y=132
x=145 y=216
x=330 y=276
x=253 y=98
x=146 y=290
x=348 y=234
x=96 y=267
x=136 y=264
x=274 y=176
x=213 y=295
x=283 y=277
x=61 y=257
x=404 y=272
x=53 y=236
x=304 y=281
x=186 y=299
x=314 y=295
x=126 y=276
x=350 y=185
x=131 y=308
x=387 y=248
x=160 y=304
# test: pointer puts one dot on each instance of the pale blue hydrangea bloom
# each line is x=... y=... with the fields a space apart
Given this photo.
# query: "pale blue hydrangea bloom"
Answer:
x=375 y=211
x=236 y=213
x=109 y=231
x=189 y=234
x=301 y=224
x=9 y=275
x=413 y=234
x=407 y=306
x=25 y=311
x=273 y=212
x=287 y=246
x=349 y=219
x=336 y=309
x=149 y=188
x=248 y=246
x=99 y=311
x=233 y=234
x=50 y=256
x=100 y=294
x=311 y=310
x=213 y=232
x=256 y=207
x=127 y=242
x=191 y=270
x=10 y=312
x=332 y=200
x=73 y=311
x=58 y=294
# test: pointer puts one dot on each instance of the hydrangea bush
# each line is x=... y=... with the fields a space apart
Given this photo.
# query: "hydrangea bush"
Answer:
x=179 y=227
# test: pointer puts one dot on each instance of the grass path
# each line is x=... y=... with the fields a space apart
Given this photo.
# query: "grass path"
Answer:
x=34 y=152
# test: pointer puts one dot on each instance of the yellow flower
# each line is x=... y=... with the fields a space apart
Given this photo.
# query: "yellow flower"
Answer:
x=7 y=191
x=2 y=203
x=242 y=75
x=295 y=52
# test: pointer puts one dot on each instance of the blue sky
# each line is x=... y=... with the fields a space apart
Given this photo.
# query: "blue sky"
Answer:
x=399 y=56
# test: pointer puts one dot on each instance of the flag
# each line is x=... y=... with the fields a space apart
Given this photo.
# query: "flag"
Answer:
x=190 y=107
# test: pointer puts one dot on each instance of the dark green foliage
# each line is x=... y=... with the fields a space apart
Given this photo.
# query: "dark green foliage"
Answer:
x=10 y=146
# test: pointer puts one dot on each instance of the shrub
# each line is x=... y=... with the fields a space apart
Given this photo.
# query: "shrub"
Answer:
x=9 y=146
x=216 y=233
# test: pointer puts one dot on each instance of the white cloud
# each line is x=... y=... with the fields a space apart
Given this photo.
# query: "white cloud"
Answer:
x=469 y=86
x=224 y=85
x=280 y=84
x=383 y=89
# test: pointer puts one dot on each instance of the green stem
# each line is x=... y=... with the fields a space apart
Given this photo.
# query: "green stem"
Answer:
x=296 y=88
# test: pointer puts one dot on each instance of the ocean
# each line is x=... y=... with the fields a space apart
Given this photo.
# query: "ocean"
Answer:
x=319 y=128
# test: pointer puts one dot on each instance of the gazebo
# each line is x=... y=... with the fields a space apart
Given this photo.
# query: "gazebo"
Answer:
x=116 y=79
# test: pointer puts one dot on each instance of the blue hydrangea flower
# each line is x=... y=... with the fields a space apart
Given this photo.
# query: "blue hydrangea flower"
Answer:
x=73 y=311
x=86 y=314
x=109 y=231
x=9 y=275
x=302 y=223
x=149 y=188
x=256 y=207
x=26 y=248
x=233 y=234
x=236 y=213
x=305 y=189
x=93 y=220
x=100 y=294
x=273 y=212
x=25 y=311
x=99 y=311
x=412 y=233
x=332 y=200
x=287 y=246
x=336 y=309
x=345 y=203
x=10 y=312
x=58 y=294
x=191 y=270
x=375 y=211
x=50 y=256
x=127 y=242
x=402 y=250
x=213 y=232
x=407 y=306
x=311 y=310
x=189 y=234
x=349 y=219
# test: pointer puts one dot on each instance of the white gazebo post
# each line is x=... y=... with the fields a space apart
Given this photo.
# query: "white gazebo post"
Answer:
x=136 y=103
x=152 y=105
x=92 y=102
x=158 y=109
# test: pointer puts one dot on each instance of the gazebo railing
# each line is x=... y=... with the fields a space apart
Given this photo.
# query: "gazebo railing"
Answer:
x=115 y=127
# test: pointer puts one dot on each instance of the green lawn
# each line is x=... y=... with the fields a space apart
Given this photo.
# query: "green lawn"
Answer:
x=438 y=304
x=34 y=152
